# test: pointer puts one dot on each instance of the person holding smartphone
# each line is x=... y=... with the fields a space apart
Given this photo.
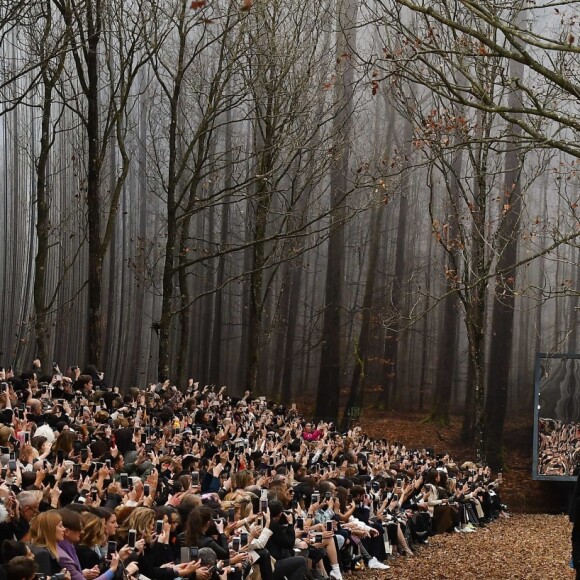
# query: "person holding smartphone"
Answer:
x=67 y=555
x=281 y=547
x=205 y=529
x=258 y=534
x=156 y=559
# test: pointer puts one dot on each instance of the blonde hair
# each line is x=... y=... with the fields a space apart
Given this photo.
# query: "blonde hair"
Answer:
x=239 y=501
x=141 y=519
x=5 y=433
x=93 y=530
x=43 y=530
x=242 y=479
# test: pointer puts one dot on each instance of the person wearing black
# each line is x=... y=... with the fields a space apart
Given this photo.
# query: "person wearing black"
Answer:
x=21 y=568
x=575 y=519
x=281 y=545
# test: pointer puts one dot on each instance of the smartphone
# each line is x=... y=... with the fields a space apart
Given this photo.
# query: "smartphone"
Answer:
x=185 y=554
x=300 y=523
x=329 y=526
x=314 y=498
x=26 y=436
x=193 y=554
x=143 y=438
x=108 y=463
x=236 y=544
x=318 y=538
x=124 y=480
x=94 y=495
x=76 y=470
x=111 y=549
x=244 y=539
x=132 y=538
x=231 y=515
x=84 y=455
x=159 y=527
x=146 y=490
x=195 y=478
x=60 y=456
x=12 y=465
x=327 y=495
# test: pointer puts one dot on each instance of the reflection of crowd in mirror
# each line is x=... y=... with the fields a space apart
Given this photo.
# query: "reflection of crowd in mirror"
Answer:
x=558 y=447
x=164 y=484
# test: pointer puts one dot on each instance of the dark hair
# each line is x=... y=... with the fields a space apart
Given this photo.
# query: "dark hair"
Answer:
x=124 y=440
x=198 y=518
x=276 y=508
x=71 y=519
x=21 y=567
x=13 y=548
x=432 y=476
x=38 y=441
x=68 y=492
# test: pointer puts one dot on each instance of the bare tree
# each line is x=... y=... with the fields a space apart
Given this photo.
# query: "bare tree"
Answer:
x=117 y=29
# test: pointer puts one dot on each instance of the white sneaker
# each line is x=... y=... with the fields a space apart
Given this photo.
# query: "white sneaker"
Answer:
x=374 y=563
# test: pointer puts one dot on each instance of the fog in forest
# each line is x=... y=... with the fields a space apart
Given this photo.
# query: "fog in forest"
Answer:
x=294 y=197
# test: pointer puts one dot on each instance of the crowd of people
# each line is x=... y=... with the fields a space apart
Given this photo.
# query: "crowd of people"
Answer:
x=161 y=484
x=558 y=447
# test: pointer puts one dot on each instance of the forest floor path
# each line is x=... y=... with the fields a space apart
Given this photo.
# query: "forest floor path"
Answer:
x=524 y=547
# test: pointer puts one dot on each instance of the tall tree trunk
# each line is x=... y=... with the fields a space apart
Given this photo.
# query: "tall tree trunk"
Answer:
x=41 y=307
x=293 y=304
x=281 y=326
x=391 y=352
x=355 y=398
x=216 y=337
x=448 y=343
x=94 y=205
x=503 y=305
x=329 y=381
x=172 y=240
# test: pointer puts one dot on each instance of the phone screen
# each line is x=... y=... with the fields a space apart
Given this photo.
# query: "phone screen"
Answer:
x=132 y=538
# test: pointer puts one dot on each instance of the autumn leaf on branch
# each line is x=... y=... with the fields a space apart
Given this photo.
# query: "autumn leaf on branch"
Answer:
x=196 y=4
x=246 y=5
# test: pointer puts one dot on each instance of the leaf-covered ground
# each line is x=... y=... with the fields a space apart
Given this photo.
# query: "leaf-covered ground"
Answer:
x=524 y=547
